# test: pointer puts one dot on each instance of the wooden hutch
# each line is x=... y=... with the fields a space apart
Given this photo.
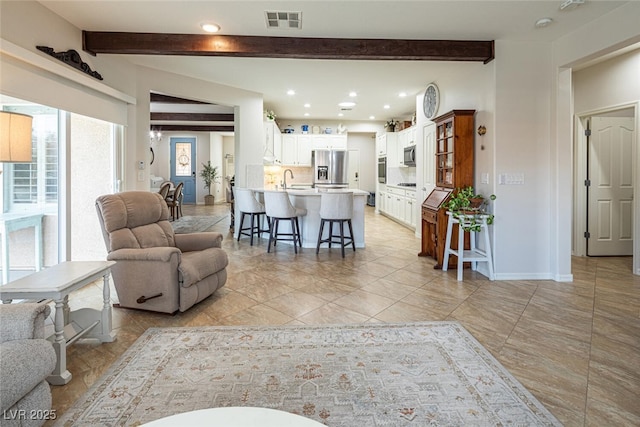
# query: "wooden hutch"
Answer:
x=454 y=169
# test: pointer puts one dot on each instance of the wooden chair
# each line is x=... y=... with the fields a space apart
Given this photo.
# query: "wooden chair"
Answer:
x=164 y=190
x=174 y=201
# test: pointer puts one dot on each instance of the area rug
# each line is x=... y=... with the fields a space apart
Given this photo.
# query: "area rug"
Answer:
x=194 y=224
x=411 y=374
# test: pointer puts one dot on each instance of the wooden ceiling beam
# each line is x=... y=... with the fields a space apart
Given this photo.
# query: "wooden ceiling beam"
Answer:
x=104 y=42
x=192 y=128
x=167 y=99
x=193 y=117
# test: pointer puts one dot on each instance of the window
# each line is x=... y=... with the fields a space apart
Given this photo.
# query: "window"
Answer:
x=34 y=186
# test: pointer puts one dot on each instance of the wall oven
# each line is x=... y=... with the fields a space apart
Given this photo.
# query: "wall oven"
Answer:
x=382 y=170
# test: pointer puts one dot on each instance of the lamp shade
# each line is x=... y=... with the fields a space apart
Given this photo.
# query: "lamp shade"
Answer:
x=15 y=137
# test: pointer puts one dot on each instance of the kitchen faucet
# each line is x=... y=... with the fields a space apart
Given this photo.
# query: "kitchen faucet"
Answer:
x=284 y=183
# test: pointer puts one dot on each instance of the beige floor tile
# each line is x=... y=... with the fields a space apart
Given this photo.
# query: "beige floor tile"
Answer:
x=573 y=345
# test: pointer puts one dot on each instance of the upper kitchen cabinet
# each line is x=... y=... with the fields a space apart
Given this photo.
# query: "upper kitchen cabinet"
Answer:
x=329 y=142
x=272 y=143
x=296 y=150
x=454 y=148
x=381 y=144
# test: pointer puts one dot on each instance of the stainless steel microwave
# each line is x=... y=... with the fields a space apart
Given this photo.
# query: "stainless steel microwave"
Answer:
x=409 y=156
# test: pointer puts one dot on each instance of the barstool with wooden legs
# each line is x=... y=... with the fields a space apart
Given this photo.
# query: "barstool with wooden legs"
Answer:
x=248 y=204
x=279 y=207
x=336 y=208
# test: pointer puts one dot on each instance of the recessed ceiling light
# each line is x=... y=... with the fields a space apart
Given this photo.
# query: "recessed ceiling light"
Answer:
x=543 y=22
x=307 y=105
x=353 y=94
x=306 y=114
x=210 y=28
x=291 y=92
x=340 y=114
x=372 y=117
x=386 y=106
x=402 y=94
x=347 y=104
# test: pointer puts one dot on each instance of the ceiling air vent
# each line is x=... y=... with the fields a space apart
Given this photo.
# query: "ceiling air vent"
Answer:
x=284 y=20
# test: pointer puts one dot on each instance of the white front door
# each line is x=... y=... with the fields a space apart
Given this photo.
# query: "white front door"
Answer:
x=610 y=193
x=354 y=169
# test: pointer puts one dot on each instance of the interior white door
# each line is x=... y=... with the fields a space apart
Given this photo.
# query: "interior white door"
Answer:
x=353 y=169
x=428 y=160
x=610 y=193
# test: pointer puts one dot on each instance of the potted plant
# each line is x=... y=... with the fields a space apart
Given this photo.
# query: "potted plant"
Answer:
x=209 y=175
x=468 y=207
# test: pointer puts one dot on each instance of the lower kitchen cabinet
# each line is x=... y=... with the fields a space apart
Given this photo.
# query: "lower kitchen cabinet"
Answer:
x=399 y=205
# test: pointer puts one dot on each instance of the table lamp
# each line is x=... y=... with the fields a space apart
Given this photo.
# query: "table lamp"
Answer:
x=15 y=137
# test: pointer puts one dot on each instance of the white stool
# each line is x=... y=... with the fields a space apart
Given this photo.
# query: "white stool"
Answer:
x=473 y=255
x=336 y=208
x=279 y=207
x=248 y=204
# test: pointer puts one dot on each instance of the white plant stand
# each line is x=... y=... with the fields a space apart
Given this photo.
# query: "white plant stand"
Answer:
x=473 y=255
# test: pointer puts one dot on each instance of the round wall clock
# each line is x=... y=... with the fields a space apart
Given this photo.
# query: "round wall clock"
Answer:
x=431 y=101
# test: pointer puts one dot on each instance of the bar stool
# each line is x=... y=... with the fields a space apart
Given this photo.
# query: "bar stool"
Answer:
x=336 y=208
x=473 y=255
x=248 y=204
x=279 y=207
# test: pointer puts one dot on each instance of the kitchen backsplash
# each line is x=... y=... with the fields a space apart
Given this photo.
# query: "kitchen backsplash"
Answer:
x=274 y=175
x=398 y=175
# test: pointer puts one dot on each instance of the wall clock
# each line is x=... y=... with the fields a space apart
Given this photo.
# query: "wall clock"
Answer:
x=431 y=101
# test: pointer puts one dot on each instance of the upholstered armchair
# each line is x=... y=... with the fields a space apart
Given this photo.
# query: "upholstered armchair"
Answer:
x=155 y=268
x=26 y=360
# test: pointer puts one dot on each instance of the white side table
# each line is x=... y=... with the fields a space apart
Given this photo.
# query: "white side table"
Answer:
x=235 y=417
x=57 y=283
x=473 y=255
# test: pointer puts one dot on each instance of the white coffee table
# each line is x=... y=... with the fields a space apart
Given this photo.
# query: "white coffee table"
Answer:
x=235 y=417
x=56 y=283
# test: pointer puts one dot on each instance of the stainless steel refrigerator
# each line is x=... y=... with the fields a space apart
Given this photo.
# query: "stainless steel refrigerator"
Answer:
x=330 y=168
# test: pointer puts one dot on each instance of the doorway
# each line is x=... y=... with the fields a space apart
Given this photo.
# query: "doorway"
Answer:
x=605 y=147
x=183 y=154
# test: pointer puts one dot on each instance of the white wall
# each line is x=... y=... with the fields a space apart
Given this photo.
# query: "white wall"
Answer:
x=365 y=143
x=607 y=84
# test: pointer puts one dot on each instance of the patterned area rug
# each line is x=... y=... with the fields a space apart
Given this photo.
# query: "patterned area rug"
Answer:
x=194 y=224
x=413 y=374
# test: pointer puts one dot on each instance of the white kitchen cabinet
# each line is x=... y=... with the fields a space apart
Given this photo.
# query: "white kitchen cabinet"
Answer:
x=272 y=152
x=393 y=159
x=400 y=205
x=296 y=150
x=381 y=144
x=329 y=142
x=410 y=210
x=381 y=201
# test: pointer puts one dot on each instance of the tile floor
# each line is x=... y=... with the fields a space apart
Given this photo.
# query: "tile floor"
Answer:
x=575 y=346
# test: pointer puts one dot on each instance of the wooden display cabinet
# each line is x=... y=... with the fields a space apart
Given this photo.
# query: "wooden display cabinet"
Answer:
x=454 y=169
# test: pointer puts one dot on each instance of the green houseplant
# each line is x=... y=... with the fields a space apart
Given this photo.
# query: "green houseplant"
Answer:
x=209 y=175
x=468 y=207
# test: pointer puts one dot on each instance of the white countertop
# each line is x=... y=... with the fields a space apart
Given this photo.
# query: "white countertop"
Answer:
x=316 y=192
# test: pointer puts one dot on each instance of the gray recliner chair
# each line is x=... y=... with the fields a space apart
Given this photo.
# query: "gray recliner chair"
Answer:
x=155 y=268
x=26 y=360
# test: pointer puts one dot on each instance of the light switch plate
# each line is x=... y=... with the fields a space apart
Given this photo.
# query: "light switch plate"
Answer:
x=511 y=179
x=484 y=178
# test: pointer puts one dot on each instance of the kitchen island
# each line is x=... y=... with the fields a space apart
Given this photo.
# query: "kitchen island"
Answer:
x=310 y=223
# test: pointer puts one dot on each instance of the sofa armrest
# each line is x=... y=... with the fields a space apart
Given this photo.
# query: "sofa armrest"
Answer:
x=22 y=321
x=147 y=254
x=198 y=241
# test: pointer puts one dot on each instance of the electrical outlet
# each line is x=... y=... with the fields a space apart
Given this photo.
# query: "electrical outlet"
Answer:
x=484 y=178
x=140 y=176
